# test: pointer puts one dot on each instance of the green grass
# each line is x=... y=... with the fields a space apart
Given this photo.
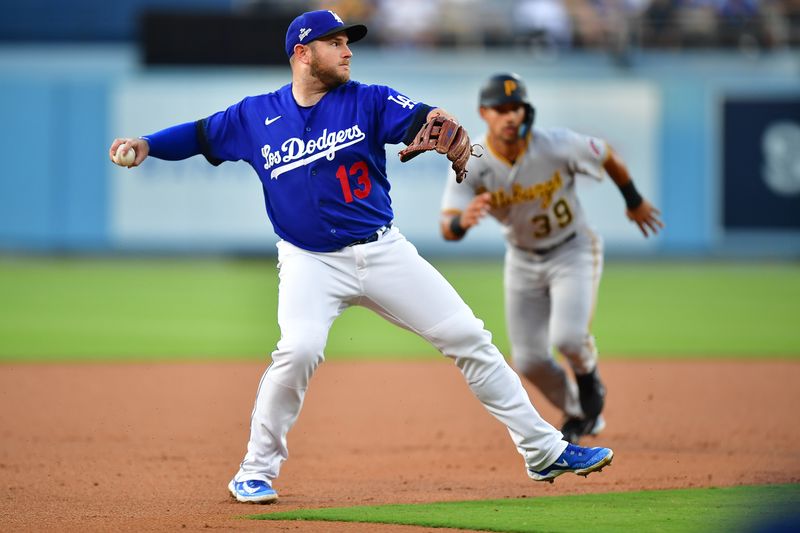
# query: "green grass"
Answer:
x=674 y=511
x=688 y=309
x=59 y=309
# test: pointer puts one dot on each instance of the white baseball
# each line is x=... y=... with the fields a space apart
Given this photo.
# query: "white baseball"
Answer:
x=125 y=160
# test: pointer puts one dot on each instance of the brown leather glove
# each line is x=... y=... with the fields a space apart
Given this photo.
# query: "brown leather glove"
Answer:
x=446 y=136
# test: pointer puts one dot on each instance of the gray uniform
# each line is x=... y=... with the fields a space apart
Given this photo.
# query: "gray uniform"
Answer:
x=553 y=260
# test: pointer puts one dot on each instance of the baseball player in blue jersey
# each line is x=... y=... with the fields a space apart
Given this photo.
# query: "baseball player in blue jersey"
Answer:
x=317 y=146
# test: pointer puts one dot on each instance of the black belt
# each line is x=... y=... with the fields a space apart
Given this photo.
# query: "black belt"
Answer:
x=548 y=249
x=374 y=237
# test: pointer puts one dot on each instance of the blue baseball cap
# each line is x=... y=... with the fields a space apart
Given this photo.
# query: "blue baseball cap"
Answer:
x=315 y=25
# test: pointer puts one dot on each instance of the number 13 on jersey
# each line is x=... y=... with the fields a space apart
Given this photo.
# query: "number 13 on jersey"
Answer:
x=360 y=172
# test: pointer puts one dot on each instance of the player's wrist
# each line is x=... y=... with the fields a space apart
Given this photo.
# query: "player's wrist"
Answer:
x=632 y=197
x=456 y=228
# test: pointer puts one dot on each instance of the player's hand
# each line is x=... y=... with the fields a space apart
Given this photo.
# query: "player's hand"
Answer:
x=647 y=218
x=445 y=136
x=476 y=210
x=140 y=146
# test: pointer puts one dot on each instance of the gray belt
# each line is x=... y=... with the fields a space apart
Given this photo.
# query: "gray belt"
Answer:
x=548 y=249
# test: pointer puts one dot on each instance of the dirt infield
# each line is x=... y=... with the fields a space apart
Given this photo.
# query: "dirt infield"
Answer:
x=136 y=447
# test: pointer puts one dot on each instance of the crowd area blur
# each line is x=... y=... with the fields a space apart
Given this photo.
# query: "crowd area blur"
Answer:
x=569 y=24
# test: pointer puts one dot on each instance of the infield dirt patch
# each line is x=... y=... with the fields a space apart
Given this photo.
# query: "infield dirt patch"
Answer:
x=136 y=447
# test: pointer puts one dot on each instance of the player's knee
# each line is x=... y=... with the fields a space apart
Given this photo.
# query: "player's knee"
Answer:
x=461 y=335
x=535 y=369
x=298 y=355
x=303 y=349
x=572 y=344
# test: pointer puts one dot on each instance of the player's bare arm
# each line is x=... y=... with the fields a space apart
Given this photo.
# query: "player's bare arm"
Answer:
x=455 y=225
x=140 y=146
x=639 y=210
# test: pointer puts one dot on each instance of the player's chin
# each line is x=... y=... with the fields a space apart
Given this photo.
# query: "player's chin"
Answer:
x=334 y=81
x=509 y=135
x=341 y=80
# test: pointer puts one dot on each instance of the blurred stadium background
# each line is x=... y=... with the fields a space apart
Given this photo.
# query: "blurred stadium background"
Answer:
x=701 y=98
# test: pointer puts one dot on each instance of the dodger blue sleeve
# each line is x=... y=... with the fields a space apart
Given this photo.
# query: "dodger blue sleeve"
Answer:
x=400 y=117
x=224 y=136
x=174 y=143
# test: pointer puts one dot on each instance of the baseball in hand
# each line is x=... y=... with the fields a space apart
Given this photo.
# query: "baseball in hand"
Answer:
x=124 y=160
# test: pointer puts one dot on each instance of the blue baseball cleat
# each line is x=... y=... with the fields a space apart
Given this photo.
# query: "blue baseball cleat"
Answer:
x=576 y=459
x=253 y=491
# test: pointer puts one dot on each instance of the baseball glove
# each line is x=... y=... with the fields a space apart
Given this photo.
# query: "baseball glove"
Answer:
x=445 y=136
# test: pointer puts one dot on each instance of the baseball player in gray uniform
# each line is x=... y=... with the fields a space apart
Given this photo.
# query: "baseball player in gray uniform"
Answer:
x=553 y=261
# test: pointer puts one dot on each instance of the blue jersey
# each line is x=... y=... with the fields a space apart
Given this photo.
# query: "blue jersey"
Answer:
x=322 y=168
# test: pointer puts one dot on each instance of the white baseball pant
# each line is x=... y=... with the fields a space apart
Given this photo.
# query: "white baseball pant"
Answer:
x=391 y=278
x=550 y=301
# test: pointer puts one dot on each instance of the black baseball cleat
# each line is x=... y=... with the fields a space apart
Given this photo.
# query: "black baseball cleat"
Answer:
x=574 y=428
x=592 y=394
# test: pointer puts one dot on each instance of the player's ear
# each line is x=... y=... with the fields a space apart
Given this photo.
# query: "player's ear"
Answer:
x=482 y=112
x=302 y=53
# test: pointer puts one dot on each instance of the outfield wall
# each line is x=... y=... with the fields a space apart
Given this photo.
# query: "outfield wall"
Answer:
x=713 y=140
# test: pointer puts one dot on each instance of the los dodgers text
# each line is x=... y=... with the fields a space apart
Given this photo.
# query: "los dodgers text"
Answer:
x=297 y=152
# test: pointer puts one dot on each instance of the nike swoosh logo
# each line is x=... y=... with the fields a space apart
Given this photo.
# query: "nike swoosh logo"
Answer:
x=250 y=489
x=269 y=121
x=563 y=463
